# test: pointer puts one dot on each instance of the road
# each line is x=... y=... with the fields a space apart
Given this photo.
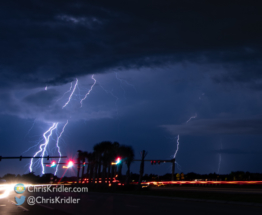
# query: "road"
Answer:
x=236 y=190
x=116 y=204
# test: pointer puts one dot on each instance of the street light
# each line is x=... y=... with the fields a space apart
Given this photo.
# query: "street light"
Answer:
x=53 y=164
x=118 y=161
x=70 y=164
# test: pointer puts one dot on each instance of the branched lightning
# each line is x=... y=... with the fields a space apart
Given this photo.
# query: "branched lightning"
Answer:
x=57 y=145
x=43 y=146
x=69 y=99
x=48 y=133
x=66 y=91
x=33 y=146
x=88 y=90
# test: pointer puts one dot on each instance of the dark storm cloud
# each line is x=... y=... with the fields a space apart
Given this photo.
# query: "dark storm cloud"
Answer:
x=247 y=73
x=217 y=126
x=51 y=42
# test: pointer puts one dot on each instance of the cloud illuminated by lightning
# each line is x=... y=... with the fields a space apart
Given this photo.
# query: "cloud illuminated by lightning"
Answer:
x=88 y=90
x=69 y=99
x=122 y=80
x=112 y=94
x=57 y=145
x=48 y=133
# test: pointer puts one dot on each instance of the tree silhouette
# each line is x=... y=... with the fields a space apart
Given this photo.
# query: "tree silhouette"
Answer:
x=99 y=161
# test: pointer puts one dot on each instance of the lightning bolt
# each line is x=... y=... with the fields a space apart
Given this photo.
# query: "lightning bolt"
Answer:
x=48 y=133
x=69 y=99
x=43 y=146
x=88 y=91
x=66 y=91
x=177 y=146
x=33 y=146
x=57 y=145
x=192 y=117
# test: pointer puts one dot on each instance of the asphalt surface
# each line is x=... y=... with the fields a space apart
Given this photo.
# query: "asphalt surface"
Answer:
x=107 y=203
x=235 y=190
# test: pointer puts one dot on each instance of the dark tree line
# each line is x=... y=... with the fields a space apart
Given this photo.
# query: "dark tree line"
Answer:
x=98 y=163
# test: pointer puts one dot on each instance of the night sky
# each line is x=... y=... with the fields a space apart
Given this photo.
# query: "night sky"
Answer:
x=157 y=63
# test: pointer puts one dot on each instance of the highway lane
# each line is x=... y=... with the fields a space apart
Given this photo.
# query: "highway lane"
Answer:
x=8 y=207
x=236 y=190
x=107 y=203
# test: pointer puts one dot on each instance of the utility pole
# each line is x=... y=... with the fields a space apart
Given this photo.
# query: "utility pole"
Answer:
x=78 y=164
x=83 y=168
x=173 y=169
x=143 y=155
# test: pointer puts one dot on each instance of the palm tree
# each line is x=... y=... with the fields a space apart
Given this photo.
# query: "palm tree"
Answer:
x=98 y=149
x=88 y=157
x=122 y=154
x=104 y=153
x=96 y=163
x=114 y=154
x=83 y=158
x=127 y=154
x=106 y=157
x=79 y=158
x=91 y=165
x=130 y=155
